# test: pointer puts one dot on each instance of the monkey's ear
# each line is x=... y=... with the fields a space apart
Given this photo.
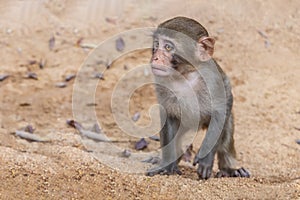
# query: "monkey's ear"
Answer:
x=205 y=48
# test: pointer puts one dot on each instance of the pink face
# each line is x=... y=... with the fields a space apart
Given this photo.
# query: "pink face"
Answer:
x=164 y=51
x=161 y=58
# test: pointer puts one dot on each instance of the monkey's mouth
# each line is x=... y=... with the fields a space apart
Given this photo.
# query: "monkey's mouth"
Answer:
x=158 y=68
x=160 y=71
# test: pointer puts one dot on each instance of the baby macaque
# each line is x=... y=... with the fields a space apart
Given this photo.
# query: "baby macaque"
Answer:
x=188 y=89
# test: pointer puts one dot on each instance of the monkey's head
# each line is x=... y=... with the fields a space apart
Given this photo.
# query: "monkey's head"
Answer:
x=175 y=42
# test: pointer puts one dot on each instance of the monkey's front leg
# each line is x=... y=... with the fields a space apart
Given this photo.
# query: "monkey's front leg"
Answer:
x=170 y=149
x=210 y=143
x=205 y=164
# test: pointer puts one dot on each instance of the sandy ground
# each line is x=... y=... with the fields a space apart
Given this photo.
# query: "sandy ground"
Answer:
x=257 y=44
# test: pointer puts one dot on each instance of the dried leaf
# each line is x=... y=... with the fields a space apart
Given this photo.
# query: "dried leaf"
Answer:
x=153 y=160
x=126 y=153
x=141 y=144
x=267 y=43
x=154 y=137
x=94 y=136
x=136 y=116
x=99 y=76
x=86 y=133
x=91 y=104
x=74 y=124
x=187 y=156
x=29 y=129
x=108 y=64
x=32 y=62
x=3 y=77
x=70 y=77
x=61 y=84
x=79 y=41
x=42 y=63
x=96 y=128
x=25 y=104
x=120 y=44
x=51 y=43
x=30 y=137
x=111 y=20
x=32 y=75
x=262 y=34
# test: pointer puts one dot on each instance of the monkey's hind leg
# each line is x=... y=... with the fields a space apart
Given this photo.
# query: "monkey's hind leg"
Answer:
x=226 y=154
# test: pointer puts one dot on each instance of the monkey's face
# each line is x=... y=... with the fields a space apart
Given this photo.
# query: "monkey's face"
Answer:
x=168 y=56
x=162 y=56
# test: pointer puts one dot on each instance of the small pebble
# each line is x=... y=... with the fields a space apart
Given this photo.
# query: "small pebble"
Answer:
x=61 y=85
x=126 y=153
x=9 y=31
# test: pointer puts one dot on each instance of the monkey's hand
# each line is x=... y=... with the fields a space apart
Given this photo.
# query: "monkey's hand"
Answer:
x=165 y=170
x=205 y=165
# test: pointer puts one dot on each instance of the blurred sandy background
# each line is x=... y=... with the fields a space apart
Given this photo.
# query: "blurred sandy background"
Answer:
x=257 y=44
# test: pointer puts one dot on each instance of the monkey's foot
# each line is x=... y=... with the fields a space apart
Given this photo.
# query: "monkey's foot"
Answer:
x=165 y=170
x=205 y=166
x=241 y=172
x=204 y=171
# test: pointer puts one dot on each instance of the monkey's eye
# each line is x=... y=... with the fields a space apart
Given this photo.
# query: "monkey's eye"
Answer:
x=168 y=47
x=155 y=44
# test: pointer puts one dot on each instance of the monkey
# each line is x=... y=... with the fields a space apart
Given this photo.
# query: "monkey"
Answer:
x=182 y=68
